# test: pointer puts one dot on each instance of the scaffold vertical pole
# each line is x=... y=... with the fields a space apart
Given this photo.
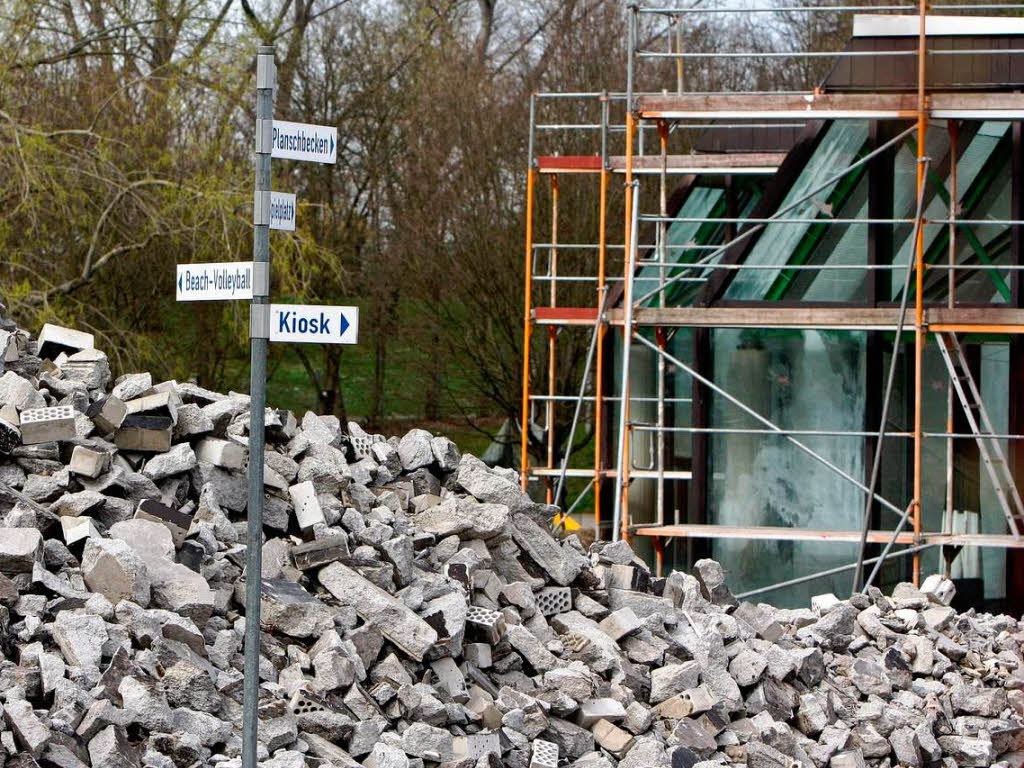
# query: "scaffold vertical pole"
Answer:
x=524 y=436
x=947 y=524
x=602 y=251
x=919 y=331
x=621 y=519
x=549 y=418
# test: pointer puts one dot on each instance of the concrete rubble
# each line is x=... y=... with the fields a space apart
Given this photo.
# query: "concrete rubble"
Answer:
x=417 y=611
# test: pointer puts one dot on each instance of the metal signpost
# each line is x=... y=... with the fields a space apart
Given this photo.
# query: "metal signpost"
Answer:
x=275 y=322
x=265 y=77
x=303 y=323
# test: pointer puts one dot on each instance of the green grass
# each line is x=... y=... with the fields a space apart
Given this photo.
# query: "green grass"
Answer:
x=405 y=384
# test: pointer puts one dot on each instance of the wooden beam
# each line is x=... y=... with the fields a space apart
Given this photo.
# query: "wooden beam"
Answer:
x=938 y=319
x=746 y=163
x=770 y=533
x=704 y=164
x=829 y=106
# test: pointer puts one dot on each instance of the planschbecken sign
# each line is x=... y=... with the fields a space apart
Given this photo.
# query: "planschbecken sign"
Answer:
x=302 y=141
x=314 y=324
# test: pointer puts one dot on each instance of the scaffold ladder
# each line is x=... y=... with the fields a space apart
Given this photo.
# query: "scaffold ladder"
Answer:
x=991 y=451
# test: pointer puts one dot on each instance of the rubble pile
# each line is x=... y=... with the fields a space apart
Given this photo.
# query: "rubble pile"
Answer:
x=416 y=611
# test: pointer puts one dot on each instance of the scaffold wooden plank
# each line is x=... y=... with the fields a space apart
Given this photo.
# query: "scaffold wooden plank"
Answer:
x=740 y=163
x=778 y=533
x=828 y=106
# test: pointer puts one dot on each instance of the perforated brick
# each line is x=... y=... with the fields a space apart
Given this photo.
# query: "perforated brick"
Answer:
x=307 y=507
x=554 y=600
x=545 y=754
x=44 y=425
x=487 y=623
x=476 y=746
x=361 y=445
x=303 y=702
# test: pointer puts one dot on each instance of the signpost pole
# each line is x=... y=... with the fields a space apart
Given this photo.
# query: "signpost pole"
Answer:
x=265 y=77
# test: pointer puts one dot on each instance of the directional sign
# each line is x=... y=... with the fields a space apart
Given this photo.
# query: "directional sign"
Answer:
x=299 y=141
x=314 y=324
x=282 y=211
x=214 y=282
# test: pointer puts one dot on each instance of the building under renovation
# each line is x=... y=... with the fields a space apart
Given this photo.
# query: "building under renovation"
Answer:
x=804 y=351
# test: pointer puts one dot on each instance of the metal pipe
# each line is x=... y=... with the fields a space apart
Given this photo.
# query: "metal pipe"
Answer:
x=770 y=220
x=739 y=267
x=601 y=330
x=799 y=201
x=620 y=514
x=533 y=127
x=886 y=399
x=952 y=127
x=552 y=333
x=919 y=332
x=889 y=545
x=794 y=9
x=660 y=332
x=726 y=126
x=828 y=572
x=592 y=398
x=640 y=427
x=257 y=434
x=747 y=409
x=630 y=50
x=680 y=71
x=567 y=454
x=771 y=54
x=574 y=246
x=524 y=437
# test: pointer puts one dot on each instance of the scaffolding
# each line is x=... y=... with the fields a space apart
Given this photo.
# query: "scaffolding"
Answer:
x=654 y=117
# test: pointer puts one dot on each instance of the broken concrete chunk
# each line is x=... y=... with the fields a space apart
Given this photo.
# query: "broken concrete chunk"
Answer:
x=19 y=549
x=226 y=454
x=178 y=460
x=115 y=570
x=563 y=564
x=29 y=731
x=397 y=623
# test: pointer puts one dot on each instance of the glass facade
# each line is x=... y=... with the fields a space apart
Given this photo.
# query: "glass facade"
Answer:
x=827 y=381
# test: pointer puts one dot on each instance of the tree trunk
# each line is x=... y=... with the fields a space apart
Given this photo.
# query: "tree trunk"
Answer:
x=379 y=360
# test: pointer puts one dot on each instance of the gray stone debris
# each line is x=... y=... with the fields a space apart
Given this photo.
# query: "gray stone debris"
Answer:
x=417 y=611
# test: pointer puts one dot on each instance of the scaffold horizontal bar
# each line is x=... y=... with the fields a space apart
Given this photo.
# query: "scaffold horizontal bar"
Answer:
x=771 y=54
x=635 y=474
x=785 y=9
x=612 y=398
x=697 y=9
x=820 y=54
